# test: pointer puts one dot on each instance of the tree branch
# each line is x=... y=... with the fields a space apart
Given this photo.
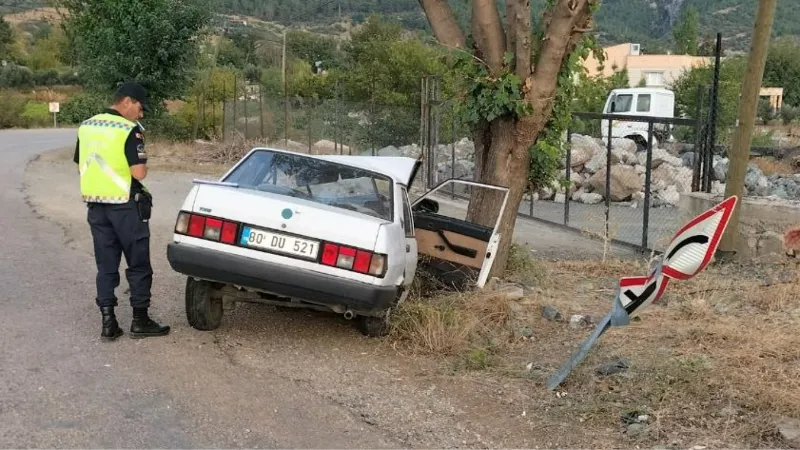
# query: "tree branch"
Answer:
x=488 y=33
x=443 y=23
x=510 y=29
x=562 y=33
x=522 y=33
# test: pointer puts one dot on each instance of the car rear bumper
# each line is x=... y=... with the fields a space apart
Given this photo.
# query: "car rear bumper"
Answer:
x=316 y=288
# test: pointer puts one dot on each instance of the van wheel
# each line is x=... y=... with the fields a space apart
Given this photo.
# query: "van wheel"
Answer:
x=641 y=144
x=374 y=327
x=203 y=308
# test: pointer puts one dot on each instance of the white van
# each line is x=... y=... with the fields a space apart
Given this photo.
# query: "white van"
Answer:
x=652 y=102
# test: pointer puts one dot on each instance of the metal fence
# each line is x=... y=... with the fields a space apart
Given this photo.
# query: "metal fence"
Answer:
x=312 y=125
x=634 y=203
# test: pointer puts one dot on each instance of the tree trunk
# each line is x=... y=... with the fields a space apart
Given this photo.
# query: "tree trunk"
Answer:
x=505 y=164
x=502 y=146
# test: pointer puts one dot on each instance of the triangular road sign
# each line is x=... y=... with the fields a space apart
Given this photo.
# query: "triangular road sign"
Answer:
x=694 y=245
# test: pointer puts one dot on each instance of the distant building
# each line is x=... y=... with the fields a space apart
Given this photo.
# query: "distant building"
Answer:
x=658 y=70
x=651 y=70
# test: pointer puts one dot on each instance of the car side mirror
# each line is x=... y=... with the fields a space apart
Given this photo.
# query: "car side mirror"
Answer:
x=427 y=205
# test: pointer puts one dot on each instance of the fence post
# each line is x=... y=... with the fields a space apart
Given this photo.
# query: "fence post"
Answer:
x=698 y=140
x=235 y=91
x=648 y=169
x=213 y=110
x=608 y=176
x=453 y=160
x=569 y=173
x=261 y=109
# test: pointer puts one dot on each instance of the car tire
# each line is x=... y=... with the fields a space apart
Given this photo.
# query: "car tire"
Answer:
x=203 y=309
x=374 y=327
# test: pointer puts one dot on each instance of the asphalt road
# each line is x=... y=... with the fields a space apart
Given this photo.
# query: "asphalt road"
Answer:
x=63 y=387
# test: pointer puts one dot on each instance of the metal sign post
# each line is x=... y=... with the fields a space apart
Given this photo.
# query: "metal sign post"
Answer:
x=54 y=108
x=689 y=252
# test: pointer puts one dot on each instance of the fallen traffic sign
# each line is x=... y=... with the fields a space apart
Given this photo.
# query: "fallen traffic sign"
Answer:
x=689 y=252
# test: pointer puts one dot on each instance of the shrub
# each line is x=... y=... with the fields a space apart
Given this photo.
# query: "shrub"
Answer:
x=82 y=106
x=14 y=76
x=167 y=127
x=12 y=105
x=789 y=114
x=36 y=115
x=46 y=77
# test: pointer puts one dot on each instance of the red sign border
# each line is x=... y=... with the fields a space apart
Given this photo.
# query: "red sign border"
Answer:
x=627 y=282
x=727 y=209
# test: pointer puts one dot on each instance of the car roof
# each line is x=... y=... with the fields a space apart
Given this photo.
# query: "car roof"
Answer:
x=645 y=90
x=399 y=168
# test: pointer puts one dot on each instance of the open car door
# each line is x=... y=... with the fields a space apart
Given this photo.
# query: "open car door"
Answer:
x=455 y=251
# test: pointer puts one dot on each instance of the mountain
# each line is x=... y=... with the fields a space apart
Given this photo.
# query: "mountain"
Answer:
x=648 y=22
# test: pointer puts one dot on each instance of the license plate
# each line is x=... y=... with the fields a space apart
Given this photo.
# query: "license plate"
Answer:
x=281 y=243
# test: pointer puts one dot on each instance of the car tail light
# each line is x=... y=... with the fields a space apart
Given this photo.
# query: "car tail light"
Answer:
x=229 y=233
x=210 y=228
x=361 y=263
x=349 y=258
x=182 y=225
x=329 y=254
x=213 y=229
x=196 y=225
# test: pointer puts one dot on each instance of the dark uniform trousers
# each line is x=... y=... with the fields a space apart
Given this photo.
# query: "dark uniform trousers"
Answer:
x=117 y=230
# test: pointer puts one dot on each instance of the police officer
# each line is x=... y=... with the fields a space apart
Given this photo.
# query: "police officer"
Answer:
x=112 y=163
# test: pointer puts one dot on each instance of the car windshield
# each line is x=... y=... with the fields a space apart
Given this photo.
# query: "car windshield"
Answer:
x=319 y=181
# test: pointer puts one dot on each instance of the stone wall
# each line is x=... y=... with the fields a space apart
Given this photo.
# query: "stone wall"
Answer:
x=671 y=176
x=763 y=221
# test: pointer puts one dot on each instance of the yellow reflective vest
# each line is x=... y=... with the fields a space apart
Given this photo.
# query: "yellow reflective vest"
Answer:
x=105 y=174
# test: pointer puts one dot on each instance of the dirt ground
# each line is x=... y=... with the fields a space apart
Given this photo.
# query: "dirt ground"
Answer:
x=715 y=364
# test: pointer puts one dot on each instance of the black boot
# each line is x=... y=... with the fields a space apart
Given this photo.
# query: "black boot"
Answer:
x=143 y=326
x=111 y=329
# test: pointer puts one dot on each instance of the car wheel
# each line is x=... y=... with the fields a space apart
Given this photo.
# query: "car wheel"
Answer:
x=203 y=309
x=374 y=327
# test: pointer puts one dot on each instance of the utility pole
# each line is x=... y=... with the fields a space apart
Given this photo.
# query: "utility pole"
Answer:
x=285 y=93
x=748 y=101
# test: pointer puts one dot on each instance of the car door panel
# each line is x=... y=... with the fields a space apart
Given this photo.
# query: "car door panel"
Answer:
x=456 y=252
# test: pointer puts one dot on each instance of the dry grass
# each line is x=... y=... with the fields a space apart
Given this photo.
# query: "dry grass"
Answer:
x=771 y=166
x=199 y=157
x=716 y=363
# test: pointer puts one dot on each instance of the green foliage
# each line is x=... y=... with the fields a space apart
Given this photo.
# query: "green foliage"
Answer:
x=311 y=47
x=789 y=114
x=14 y=76
x=82 y=106
x=730 y=85
x=6 y=37
x=12 y=105
x=685 y=32
x=488 y=97
x=765 y=111
x=36 y=115
x=783 y=69
x=150 y=41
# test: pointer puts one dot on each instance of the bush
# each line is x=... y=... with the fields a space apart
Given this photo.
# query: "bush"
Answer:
x=82 y=106
x=12 y=106
x=789 y=114
x=36 y=115
x=167 y=127
x=48 y=77
x=14 y=76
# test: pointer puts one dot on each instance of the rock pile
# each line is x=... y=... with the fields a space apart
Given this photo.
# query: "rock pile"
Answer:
x=672 y=169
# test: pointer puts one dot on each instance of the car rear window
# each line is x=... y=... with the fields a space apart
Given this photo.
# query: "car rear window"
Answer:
x=325 y=182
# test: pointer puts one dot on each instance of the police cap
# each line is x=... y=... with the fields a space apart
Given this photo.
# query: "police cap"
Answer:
x=135 y=91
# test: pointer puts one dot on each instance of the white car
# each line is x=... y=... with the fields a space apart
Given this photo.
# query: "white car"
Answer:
x=328 y=232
